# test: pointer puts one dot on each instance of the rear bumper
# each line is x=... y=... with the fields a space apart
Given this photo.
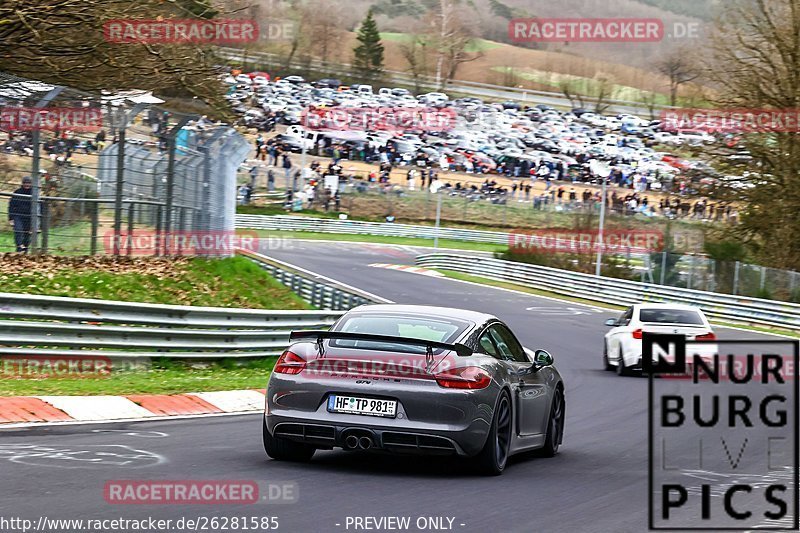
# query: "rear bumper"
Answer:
x=382 y=438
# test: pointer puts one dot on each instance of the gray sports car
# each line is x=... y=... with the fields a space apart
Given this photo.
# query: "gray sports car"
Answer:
x=414 y=379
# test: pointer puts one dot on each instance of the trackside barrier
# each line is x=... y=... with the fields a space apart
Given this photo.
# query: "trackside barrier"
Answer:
x=724 y=307
x=33 y=325
x=315 y=289
x=45 y=325
x=358 y=227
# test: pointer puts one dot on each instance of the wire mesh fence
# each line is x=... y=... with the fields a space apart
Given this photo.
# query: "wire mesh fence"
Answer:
x=110 y=173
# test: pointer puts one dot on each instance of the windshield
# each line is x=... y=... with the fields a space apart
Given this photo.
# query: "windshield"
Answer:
x=424 y=328
x=671 y=316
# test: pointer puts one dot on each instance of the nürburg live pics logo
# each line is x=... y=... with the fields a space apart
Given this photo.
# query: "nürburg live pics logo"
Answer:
x=723 y=433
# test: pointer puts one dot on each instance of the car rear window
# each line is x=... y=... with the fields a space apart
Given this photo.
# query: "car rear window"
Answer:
x=424 y=328
x=671 y=316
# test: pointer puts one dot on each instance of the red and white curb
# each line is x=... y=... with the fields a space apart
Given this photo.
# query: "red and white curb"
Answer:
x=409 y=268
x=46 y=409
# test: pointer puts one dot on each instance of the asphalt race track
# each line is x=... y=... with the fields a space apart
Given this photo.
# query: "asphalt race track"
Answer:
x=597 y=483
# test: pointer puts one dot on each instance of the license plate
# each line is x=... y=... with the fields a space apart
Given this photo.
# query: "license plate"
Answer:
x=361 y=406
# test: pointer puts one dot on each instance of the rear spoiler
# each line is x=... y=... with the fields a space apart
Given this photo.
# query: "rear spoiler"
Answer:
x=319 y=336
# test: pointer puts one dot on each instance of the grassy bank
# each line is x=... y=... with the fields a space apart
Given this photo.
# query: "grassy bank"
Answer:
x=233 y=282
x=405 y=241
x=164 y=377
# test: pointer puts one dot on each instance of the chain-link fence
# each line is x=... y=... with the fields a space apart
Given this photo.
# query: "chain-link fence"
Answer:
x=727 y=277
x=111 y=173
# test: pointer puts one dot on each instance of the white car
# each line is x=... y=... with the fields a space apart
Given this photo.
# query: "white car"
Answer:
x=623 y=344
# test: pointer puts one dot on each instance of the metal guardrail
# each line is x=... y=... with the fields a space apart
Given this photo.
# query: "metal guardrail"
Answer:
x=33 y=325
x=384 y=229
x=84 y=327
x=357 y=227
x=315 y=289
x=725 y=307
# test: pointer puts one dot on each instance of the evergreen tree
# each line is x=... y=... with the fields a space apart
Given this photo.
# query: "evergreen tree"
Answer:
x=369 y=51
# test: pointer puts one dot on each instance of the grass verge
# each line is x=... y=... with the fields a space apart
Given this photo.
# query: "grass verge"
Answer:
x=165 y=376
x=233 y=282
x=406 y=241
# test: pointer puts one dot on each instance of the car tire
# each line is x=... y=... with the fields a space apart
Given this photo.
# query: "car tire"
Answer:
x=555 y=426
x=606 y=363
x=286 y=450
x=492 y=459
x=622 y=370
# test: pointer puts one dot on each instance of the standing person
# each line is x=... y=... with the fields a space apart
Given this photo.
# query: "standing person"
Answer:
x=19 y=215
x=270 y=180
x=410 y=177
x=253 y=176
x=287 y=166
x=273 y=154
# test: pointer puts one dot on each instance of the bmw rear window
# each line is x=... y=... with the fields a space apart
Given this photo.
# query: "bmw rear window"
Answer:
x=416 y=327
x=671 y=316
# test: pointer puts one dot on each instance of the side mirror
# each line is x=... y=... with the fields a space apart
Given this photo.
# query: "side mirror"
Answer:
x=612 y=322
x=542 y=358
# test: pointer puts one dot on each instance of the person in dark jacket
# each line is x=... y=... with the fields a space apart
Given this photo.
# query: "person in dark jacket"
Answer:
x=19 y=215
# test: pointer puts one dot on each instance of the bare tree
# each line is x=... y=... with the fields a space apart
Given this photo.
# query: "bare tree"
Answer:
x=604 y=90
x=415 y=52
x=62 y=42
x=325 y=25
x=452 y=38
x=754 y=63
x=569 y=88
x=680 y=68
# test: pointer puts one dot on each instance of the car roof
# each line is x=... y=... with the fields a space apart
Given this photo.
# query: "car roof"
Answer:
x=441 y=312
x=668 y=306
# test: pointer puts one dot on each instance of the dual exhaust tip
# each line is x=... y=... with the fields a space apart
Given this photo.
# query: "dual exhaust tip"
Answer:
x=352 y=442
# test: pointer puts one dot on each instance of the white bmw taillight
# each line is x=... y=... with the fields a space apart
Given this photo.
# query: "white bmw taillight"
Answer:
x=289 y=363
x=706 y=337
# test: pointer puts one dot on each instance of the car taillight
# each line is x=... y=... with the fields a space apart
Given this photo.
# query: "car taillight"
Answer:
x=637 y=334
x=470 y=377
x=289 y=363
x=706 y=337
